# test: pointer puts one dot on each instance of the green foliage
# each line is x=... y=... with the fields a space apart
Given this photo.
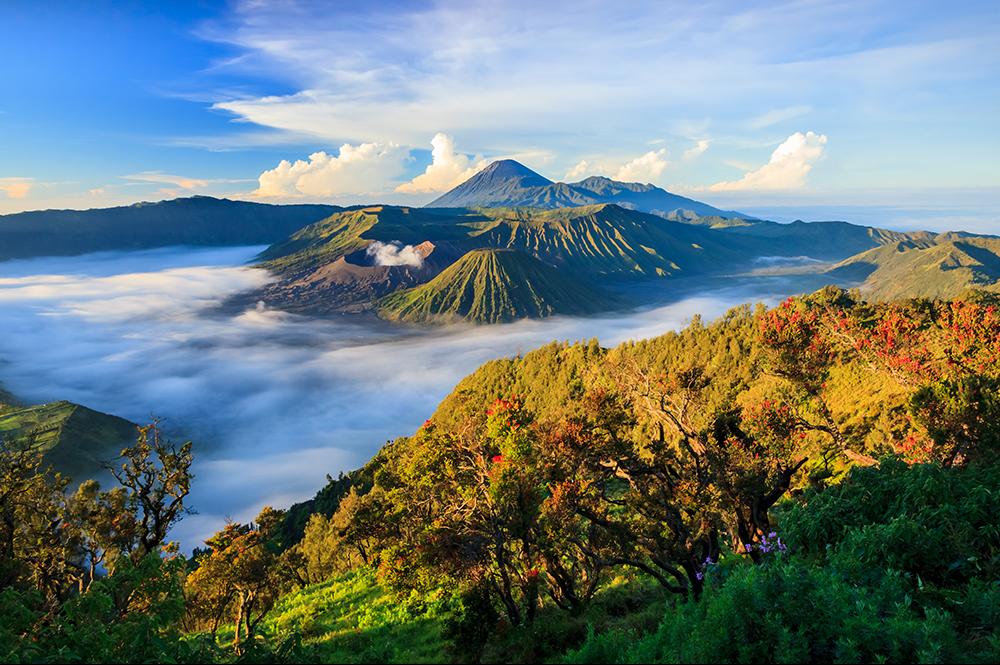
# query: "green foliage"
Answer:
x=895 y=564
x=935 y=526
x=325 y=503
x=638 y=504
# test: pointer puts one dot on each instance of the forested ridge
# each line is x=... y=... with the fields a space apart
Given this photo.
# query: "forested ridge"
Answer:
x=816 y=481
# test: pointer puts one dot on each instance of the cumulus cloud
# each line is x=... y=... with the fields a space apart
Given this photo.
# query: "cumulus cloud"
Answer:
x=646 y=168
x=15 y=188
x=363 y=169
x=394 y=254
x=583 y=169
x=273 y=401
x=787 y=169
x=447 y=169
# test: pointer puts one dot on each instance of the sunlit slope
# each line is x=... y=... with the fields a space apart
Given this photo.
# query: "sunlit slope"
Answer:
x=493 y=286
x=951 y=266
x=323 y=268
x=597 y=240
x=72 y=436
x=353 y=619
x=343 y=233
x=610 y=240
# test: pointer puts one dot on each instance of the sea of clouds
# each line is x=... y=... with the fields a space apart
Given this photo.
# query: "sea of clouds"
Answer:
x=273 y=401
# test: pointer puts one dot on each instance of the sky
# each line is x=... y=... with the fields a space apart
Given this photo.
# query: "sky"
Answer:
x=871 y=111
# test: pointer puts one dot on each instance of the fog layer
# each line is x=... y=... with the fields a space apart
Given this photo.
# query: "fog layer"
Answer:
x=273 y=401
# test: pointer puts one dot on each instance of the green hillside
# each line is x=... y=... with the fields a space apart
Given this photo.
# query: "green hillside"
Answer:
x=946 y=268
x=354 y=619
x=493 y=286
x=73 y=437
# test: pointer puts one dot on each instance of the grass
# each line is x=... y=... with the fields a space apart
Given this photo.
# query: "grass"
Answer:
x=352 y=619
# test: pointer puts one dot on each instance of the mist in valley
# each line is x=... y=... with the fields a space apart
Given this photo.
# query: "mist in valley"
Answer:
x=273 y=401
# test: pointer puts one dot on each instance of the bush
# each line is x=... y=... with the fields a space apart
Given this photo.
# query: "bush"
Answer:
x=896 y=564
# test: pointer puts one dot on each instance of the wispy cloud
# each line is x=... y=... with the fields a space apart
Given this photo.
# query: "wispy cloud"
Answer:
x=16 y=188
x=156 y=177
x=777 y=116
x=499 y=84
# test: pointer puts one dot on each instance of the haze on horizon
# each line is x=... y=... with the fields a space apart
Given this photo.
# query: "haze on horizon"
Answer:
x=875 y=112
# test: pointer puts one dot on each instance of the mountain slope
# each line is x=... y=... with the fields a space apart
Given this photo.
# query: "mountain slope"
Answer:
x=73 y=437
x=507 y=183
x=493 y=286
x=198 y=220
x=945 y=267
x=325 y=267
x=821 y=240
x=603 y=240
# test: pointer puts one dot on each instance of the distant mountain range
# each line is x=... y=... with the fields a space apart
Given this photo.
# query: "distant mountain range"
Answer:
x=561 y=246
x=328 y=266
x=507 y=183
x=198 y=220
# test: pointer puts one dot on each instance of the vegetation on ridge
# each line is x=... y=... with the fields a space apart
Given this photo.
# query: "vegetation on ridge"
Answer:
x=723 y=493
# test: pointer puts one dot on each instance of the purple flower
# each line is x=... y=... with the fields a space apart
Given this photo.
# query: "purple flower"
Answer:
x=748 y=547
x=700 y=576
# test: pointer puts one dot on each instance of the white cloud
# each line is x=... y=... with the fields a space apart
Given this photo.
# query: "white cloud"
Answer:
x=447 y=168
x=583 y=169
x=364 y=169
x=15 y=188
x=697 y=150
x=787 y=169
x=646 y=168
x=394 y=254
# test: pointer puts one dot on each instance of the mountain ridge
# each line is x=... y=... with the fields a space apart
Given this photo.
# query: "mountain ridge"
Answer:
x=508 y=183
x=196 y=220
x=493 y=285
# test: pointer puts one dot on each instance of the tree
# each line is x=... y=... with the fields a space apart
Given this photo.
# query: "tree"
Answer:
x=156 y=476
x=241 y=575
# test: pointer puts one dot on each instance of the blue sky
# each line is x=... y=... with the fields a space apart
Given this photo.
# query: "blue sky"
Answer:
x=875 y=110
